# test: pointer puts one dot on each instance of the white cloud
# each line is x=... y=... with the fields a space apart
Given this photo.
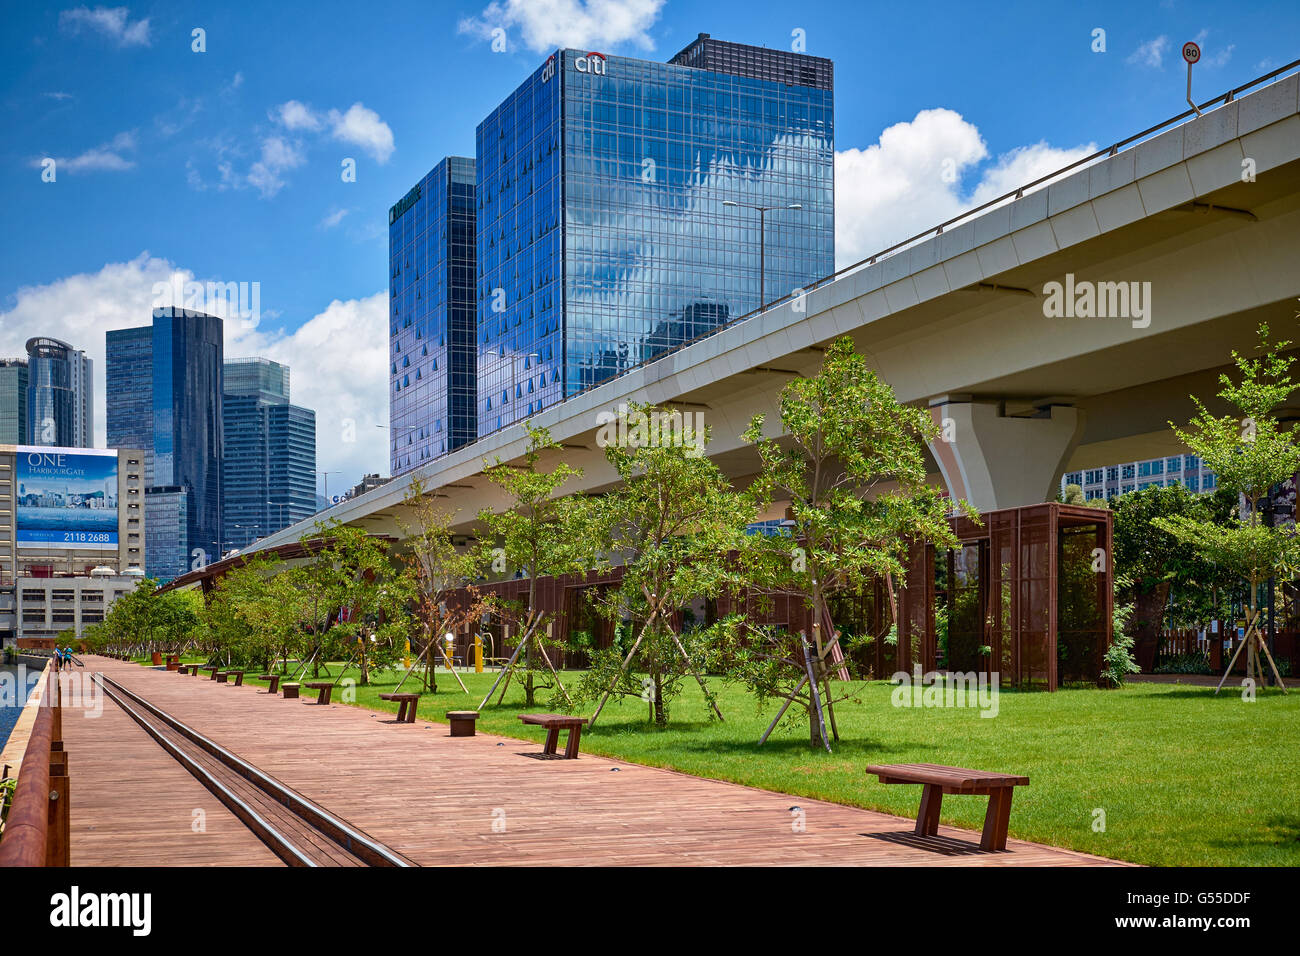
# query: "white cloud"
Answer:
x=112 y=22
x=546 y=24
x=363 y=127
x=337 y=358
x=358 y=125
x=333 y=218
x=1219 y=57
x=104 y=157
x=296 y=116
x=1151 y=53
x=278 y=155
x=912 y=180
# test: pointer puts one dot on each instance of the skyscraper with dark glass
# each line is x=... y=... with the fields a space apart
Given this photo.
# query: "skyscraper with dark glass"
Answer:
x=60 y=394
x=269 y=479
x=618 y=211
x=164 y=386
x=13 y=401
x=432 y=381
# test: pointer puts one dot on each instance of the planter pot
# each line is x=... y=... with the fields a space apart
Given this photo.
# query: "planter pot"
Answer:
x=156 y=658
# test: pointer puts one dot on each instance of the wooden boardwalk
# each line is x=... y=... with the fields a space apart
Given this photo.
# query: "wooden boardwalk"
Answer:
x=132 y=803
x=439 y=800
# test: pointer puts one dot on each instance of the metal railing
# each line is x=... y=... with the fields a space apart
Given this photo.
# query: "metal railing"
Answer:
x=37 y=830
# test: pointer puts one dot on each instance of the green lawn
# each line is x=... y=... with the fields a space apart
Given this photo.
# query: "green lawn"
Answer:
x=1184 y=778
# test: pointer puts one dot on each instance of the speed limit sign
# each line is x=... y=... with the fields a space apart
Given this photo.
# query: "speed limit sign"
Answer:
x=1191 y=52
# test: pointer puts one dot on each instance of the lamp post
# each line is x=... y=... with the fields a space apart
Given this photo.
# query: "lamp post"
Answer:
x=762 y=238
x=326 y=476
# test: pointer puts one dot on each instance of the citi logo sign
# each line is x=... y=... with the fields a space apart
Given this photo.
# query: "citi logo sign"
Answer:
x=548 y=70
x=593 y=62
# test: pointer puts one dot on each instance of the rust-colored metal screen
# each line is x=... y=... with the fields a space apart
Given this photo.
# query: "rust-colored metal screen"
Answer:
x=1044 y=585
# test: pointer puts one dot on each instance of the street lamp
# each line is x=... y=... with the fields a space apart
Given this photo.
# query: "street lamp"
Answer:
x=762 y=238
x=326 y=476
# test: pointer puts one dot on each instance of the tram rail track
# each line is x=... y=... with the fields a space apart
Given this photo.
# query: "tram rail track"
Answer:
x=298 y=830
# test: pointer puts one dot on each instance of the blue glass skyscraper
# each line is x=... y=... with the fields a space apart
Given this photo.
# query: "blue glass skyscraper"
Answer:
x=617 y=210
x=432 y=378
x=164 y=386
x=60 y=394
x=269 y=458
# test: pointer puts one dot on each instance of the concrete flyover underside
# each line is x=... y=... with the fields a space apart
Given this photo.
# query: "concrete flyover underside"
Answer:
x=957 y=322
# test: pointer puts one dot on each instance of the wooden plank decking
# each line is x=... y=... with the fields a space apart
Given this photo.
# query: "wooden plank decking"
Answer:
x=439 y=800
x=132 y=803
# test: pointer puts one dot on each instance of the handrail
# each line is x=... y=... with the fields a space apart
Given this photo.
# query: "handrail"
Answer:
x=26 y=832
x=933 y=231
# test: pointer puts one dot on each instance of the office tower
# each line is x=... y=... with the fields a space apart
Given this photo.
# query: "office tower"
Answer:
x=164 y=386
x=13 y=401
x=269 y=477
x=60 y=395
x=618 y=211
x=128 y=387
x=431 y=240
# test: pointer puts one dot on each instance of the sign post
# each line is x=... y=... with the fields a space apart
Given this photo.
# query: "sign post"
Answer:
x=1192 y=54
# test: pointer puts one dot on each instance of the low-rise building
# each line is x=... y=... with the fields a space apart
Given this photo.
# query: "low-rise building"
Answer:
x=64 y=513
x=47 y=607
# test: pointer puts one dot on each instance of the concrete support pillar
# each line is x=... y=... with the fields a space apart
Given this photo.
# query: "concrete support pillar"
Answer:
x=997 y=462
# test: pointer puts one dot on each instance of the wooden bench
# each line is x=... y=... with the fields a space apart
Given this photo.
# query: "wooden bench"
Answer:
x=323 y=690
x=222 y=676
x=938 y=780
x=462 y=722
x=554 y=723
x=274 y=679
x=290 y=690
x=212 y=668
x=406 y=704
x=184 y=669
x=238 y=677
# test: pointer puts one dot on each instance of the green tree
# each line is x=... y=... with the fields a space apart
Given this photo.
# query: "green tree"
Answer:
x=1157 y=572
x=163 y=621
x=851 y=462
x=1251 y=452
x=674 y=522
x=348 y=592
x=440 y=574
x=539 y=533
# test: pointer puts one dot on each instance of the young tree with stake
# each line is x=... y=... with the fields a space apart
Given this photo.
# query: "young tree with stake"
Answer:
x=675 y=522
x=1251 y=452
x=540 y=533
x=851 y=464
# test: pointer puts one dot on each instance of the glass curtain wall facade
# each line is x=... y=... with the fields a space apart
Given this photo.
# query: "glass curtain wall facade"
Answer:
x=182 y=390
x=1111 y=480
x=13 y=402
x=603 y=238
x=60 y=395
x=269 y=455
x=431 y=240
x=128 y=384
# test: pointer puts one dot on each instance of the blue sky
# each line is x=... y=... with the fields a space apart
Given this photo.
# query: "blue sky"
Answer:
x=225 y=164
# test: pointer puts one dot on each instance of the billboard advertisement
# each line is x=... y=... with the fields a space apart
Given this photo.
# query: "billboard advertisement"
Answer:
x=67 y=499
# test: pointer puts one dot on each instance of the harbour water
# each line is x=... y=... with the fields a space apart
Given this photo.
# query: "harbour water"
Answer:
x=16 y=683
